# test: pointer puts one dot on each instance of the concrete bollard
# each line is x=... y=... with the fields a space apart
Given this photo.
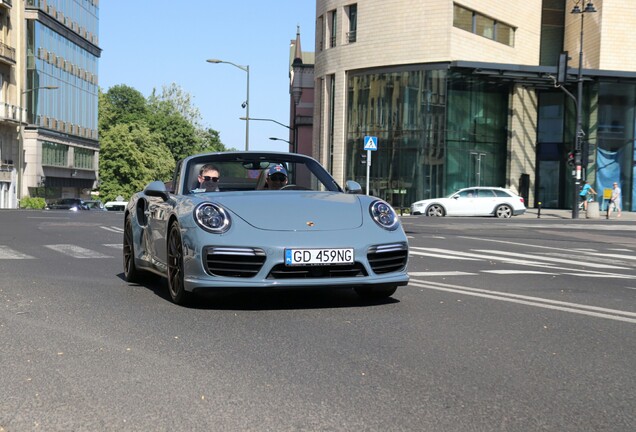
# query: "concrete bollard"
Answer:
x=593 y=211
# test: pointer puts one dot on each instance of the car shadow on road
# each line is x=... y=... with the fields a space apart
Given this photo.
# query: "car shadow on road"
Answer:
x=268 y=299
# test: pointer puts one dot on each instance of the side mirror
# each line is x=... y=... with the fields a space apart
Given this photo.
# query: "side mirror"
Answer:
x=157 y=189
x=352 y=187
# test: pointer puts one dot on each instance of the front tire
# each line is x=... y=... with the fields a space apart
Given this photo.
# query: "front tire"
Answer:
x=375 y=293
x=503 y=211
x=131 y=272
x=176 y=284
x=435 y=210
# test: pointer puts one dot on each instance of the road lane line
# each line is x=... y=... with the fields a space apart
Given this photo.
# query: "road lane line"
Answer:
x=448 y=273
x=113 y=229
x=437 y=255
x=594 y=311
x=551 y=259
x=7 y=253
x=76 y=251
x=515 y=272
x=542 y=265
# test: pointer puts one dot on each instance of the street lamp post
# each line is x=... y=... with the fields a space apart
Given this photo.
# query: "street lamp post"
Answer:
x=589 y=8
x=21 y=137
x=246 y=104
x=280 y=139
x=273 y=121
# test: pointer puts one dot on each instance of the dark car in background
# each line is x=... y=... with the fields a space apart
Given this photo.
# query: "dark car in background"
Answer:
x=72 y=204
x=95 y=205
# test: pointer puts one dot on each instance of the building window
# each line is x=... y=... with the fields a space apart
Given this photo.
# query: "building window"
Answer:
x=83 y=158
x=54 y=154
x=353 y=22
x=320 y=33
x=482 y=25
x=333 y=25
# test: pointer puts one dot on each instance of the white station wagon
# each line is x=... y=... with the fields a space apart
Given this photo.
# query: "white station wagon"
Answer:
x=474 y=201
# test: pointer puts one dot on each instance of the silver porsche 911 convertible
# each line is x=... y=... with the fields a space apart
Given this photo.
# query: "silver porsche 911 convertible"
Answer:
x=262 y=220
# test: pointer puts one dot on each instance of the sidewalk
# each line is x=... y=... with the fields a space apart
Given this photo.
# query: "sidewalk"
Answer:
x=553 y=214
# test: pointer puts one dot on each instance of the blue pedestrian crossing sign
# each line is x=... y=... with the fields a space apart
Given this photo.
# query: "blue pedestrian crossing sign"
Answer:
x=370 y=143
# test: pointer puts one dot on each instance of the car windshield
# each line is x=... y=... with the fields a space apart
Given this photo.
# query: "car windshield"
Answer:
x=249 y=172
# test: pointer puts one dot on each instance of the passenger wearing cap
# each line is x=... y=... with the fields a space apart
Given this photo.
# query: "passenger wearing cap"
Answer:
x=276 y=177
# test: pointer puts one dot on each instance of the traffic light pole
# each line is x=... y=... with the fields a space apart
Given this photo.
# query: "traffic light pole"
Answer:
x=576 y=172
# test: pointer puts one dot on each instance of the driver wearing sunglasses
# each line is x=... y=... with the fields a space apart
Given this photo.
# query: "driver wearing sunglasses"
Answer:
x=208 y=179
x=276 y=177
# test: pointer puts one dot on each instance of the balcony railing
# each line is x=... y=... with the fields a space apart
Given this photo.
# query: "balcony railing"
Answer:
x=9 y=112
x=7 y=52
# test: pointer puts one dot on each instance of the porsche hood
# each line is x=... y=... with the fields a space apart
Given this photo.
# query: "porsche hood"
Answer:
x=296 y=210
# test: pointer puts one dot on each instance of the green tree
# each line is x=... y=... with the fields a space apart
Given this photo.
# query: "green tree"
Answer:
x=141 y=139
x=178 y=134
x=179 y=121
x=121 y=104
x=130 y=158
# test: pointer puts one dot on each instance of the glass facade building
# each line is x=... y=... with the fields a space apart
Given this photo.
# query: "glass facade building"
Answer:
x=438 y=130
x=61 y=96
x=466 y=95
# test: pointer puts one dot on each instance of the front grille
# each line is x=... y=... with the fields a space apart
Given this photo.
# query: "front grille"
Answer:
x=281 y=271
x=388 y=258
x=234 y=262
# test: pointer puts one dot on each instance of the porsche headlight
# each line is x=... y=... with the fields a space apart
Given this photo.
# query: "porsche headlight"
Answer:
x=212 y=218
x=384 y=215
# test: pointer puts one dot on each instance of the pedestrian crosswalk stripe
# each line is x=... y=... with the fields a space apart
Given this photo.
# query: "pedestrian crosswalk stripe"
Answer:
x=113 y=245
x=7 y=253
x=517 y=272
x=438 y=255
x=76 y=251
x=448 y=273
x=550 y=259
x=113 y=229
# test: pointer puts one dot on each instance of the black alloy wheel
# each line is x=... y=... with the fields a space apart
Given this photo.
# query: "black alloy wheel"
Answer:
x=131 y=272
x=176 y=284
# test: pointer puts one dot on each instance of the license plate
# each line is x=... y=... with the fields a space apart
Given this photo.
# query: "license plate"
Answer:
x=318 y=256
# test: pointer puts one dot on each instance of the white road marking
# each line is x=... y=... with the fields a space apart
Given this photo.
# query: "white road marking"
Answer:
x=515 y=272
x=552 y=259
x=576 y=308
x=7 y=253
x=448 y=273
x=113 y=245
x=496 y=257
x=466 y=255
x=113 y=229
x=76 y=251
x=601 y=275
x=437 y=255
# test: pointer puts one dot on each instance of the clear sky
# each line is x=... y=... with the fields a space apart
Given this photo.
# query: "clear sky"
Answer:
x=149 y=44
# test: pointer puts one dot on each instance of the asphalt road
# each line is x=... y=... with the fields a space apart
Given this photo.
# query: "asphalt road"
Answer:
x=511 y=325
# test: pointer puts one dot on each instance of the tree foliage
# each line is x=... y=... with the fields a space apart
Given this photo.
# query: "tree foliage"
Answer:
x=141 y=139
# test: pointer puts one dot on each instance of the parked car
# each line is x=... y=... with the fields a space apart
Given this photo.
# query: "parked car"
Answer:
x=310 y=233
x=73 y=204
x=95 y=205
x=115 y=205
x=474 y=201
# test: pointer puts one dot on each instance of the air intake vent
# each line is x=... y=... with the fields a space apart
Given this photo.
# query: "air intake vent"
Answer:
x=234 y=262
x=388 y=258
